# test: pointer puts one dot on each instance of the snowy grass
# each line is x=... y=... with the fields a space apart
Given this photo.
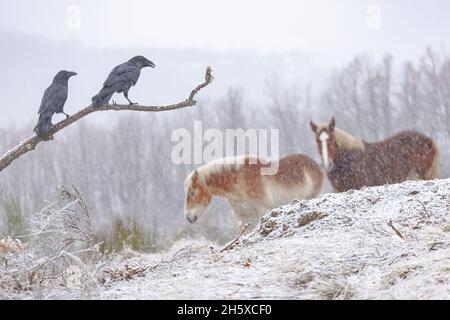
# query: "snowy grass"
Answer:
x=389 y=242
x=60 y=254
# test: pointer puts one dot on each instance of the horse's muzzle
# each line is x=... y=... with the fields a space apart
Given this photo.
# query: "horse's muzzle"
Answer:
x=192 y=219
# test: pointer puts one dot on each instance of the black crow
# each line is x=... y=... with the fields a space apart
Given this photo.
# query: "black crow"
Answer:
x=121 y=79
x=53 y=101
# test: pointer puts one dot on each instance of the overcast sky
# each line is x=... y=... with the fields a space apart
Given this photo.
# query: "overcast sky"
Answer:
x=344 y=26
x=245 y=42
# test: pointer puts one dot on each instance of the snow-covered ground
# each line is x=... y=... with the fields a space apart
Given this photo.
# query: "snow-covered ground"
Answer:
x=390 y=242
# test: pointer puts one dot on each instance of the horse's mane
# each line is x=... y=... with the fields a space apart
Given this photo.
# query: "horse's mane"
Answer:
x=347 y=141
x=220 y=166
x=344 y=139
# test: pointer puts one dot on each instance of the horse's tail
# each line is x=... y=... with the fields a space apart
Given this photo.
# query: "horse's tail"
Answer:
x=433 y=171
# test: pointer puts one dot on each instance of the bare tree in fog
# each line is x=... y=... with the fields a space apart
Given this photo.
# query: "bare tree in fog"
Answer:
x=373 y=101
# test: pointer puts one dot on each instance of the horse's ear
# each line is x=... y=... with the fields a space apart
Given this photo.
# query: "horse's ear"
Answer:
x=195 y=176
x=332 y=124
x=313 y=126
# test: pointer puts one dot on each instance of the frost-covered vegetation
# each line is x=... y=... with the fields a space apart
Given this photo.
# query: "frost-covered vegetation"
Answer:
x=59 y=253
x=388 y=242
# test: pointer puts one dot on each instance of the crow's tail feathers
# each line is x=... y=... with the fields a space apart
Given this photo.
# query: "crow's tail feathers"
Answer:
x=102 y=98
x=43 y=127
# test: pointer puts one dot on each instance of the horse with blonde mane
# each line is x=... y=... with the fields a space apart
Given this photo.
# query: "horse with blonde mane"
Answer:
x=352 y=163
x=250 y=193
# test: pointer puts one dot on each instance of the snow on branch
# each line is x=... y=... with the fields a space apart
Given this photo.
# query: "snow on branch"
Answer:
x=31 y=143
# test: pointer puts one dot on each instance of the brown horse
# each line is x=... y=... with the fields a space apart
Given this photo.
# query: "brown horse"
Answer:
x=250 y=193
x=352 y=163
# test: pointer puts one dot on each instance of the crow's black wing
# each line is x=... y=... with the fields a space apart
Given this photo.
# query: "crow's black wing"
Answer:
x=54 y=99
x=43 y=101
x=122 y=73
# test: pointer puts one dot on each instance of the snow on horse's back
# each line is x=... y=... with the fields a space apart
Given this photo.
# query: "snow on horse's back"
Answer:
x=249 y=192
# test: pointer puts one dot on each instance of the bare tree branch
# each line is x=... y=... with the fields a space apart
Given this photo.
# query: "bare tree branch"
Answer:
x=230 y=244
x=31 y=143
x=391 y=224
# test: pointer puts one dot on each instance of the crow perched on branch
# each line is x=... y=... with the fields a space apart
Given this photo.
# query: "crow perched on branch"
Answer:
x=53 y=101
x=121 y=79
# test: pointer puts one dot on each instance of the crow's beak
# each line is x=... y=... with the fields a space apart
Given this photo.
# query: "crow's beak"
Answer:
x=151 y=64
x=71 y=74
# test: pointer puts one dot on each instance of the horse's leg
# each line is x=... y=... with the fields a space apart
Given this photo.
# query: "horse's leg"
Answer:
x=245 y=212
x=433 y=172
x=239 y=211
x=255 y=212
x=413 y=175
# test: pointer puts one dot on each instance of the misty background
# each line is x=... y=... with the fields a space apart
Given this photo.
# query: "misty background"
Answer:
x=377 y=66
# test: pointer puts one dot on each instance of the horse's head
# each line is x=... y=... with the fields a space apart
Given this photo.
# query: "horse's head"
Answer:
x=197 y=197
x=326 y=142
